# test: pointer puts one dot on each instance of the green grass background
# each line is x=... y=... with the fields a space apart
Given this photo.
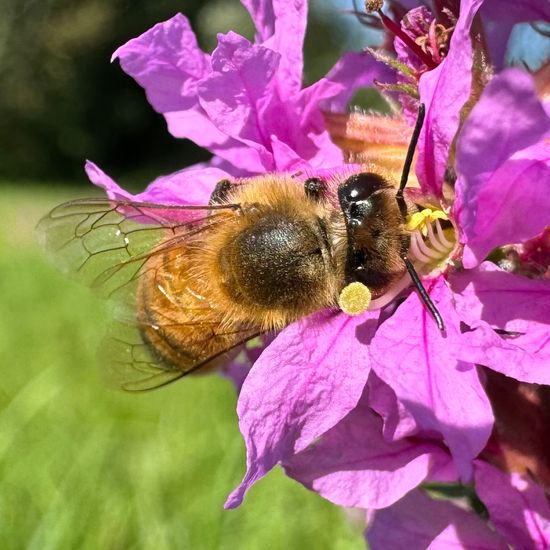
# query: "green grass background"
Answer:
x=84 y=466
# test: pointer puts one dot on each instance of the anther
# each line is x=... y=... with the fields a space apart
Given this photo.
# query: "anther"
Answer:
x=373 y=5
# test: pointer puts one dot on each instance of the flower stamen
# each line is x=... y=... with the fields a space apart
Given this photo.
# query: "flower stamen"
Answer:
x=396 y=30
x=436 y=241
x=430 y=250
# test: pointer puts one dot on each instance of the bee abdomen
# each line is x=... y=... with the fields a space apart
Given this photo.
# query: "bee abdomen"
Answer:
x=176 y=321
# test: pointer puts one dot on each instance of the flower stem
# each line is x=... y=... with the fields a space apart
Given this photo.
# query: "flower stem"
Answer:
x=393 y=27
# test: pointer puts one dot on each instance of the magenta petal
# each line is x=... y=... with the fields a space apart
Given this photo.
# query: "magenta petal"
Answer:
x=511 y=205
x=352 y=71
x=281 y=26
x=193 y=185
x=167 y=61
x=98 y=177
x=502 y=188
x=517 y=507
x=488 y=296
x=422 y=366
x=234 y=94
x=190 y=186
x=484 y=347
x=516 y=10
x=330 y=93
x=504 y=300
x=398 y=421
x=195 y=125
x=444 y=90
x=418 y=522
x=285 y=158
x=305 y=382
x=500 y=16
x=353 y=465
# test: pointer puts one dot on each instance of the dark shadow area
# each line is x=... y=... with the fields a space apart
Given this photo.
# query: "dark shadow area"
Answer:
x=62 y=101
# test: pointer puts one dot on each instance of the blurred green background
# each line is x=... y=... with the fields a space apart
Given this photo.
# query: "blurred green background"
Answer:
x=81 y=465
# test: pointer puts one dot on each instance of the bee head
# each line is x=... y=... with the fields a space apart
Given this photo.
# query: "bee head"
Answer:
x=374 y=230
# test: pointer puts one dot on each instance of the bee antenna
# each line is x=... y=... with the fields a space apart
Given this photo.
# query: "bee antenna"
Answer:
x=424 y=294
x=409 y=157
x=403 y=207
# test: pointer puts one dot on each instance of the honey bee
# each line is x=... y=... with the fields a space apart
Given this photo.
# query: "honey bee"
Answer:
x=192 y=283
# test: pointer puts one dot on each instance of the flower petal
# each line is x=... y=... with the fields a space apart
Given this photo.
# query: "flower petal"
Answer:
x=354 y=466
x=352 y=71
x=233 y=93
x=418 y=522
x=281 y=26
x=167 y=61
x=398 y=421
x=503 y=174
x=189 y=186
x=331 y=93
x=304 y=383
x=517 y=506
x=500 y=16
x=444 y=91
x=421 y=365
x=98 y=177
x=489 y=298
x=244 y=102
x=512 y=204
x=516 y=10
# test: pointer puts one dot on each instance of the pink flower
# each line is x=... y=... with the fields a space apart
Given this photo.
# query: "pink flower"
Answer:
x=365 y=409
x=244 y=102
x=516 y=507
x=433 y=375
x=418 y=522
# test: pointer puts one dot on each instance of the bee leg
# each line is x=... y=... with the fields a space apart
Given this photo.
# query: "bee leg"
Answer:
x=220 y=192
x=315 y=189
x=424 y=294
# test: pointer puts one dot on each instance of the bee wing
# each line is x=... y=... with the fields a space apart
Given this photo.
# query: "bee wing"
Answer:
x=104 y=243
x=131 y=364
x=113 y=246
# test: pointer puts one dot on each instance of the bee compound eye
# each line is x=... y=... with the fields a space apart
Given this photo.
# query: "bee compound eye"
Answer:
x=315 y=188
x=360 y=187
x=220 y=192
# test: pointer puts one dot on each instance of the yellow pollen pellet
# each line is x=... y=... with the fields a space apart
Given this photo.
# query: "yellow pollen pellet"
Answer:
x=354 y=298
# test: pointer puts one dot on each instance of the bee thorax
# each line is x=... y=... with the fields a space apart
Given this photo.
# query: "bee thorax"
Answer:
x=275 y=263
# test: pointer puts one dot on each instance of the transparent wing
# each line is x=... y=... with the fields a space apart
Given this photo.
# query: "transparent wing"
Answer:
x=132 y=365
x=139 y=255
x=104 y=243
